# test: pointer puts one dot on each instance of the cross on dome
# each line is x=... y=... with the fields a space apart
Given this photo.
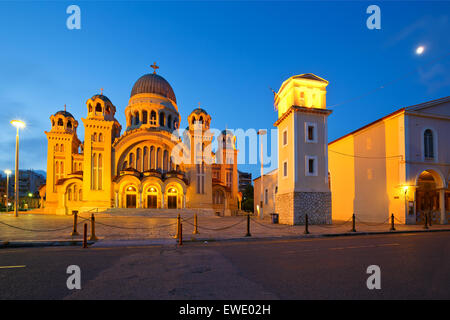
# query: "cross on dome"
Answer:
x=154 y=66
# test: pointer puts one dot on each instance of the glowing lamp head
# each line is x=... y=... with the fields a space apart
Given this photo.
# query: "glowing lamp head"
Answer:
x=30 y=194
x=8 y=172
x=420 y=50
x=19 y=124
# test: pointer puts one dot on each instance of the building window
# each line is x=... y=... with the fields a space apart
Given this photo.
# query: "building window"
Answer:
x=266 y=196
x=201 y=178
x=153 y=118
x=310 y=165
x=285 y=138
x=285 y=169
x=310 y=132
x=428 y=144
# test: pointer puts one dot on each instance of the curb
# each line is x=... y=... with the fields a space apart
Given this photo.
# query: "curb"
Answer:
x=309 y=236
x=38 y=244
x=147 y=242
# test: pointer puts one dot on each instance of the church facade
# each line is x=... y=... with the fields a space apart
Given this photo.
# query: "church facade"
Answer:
x=149 y=165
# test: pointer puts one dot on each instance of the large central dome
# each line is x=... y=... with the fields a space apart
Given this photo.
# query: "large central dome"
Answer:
x=153 y=83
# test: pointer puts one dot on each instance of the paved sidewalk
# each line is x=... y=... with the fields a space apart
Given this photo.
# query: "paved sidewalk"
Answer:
x=111 y=227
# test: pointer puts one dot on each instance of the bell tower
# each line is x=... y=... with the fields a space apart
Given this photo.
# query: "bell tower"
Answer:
x=101 y=129
x=303 y=187
x=63 y=142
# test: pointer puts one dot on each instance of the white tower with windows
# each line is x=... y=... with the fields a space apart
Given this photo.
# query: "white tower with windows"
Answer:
x=303 y=186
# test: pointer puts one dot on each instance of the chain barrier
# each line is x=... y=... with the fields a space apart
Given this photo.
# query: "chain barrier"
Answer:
x=375 y=224
x=337 y=225
x=270 y=227
x=35 y=230
x=215 y=229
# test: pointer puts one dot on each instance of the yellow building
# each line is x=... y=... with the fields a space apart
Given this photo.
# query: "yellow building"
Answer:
x=147 y=166
x=399 y=164
x=302 y=151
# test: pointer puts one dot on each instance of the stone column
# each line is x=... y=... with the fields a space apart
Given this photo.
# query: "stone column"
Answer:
x=184 y=200
x=140 y=198
x=162 y=200
x=442 y=205
x=116 y=199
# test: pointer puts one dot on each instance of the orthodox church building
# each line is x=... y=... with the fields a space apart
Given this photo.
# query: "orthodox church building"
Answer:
x=141 y=167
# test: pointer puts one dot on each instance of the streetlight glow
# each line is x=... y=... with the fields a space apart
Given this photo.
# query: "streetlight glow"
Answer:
x=19 y=124
x=7 y=172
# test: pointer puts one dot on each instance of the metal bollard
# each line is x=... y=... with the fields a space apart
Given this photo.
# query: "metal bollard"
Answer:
x=429 y=218
x=353 y=223
x=195 y=225
x=178 y=227
x=93 y=237
x=180 y=242
x=306 y=224
x=392 y=223
x=85 y=236
x=426 y=221
x=75 y=221
x=248 y=226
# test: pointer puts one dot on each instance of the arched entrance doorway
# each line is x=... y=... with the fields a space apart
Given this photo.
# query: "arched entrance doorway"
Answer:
x=131 y=197
x=219 y=201
x=172 y=198
x=427 y=198
x=151 y=197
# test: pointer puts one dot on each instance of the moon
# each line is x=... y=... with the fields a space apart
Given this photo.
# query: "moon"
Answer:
x=420 y=50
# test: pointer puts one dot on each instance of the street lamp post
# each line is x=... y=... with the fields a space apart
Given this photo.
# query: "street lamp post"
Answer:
x=8 y=172
x=19 y=125
x=261 y=132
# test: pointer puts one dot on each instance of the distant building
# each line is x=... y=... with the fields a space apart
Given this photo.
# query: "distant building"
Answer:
x=245 y=179
x=29 y=182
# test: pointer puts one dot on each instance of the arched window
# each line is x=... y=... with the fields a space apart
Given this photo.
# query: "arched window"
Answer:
x=152 y=158
x=193 y=120
x=132 y=164
x=100 y=137
x=108 y=110
x=169 y=121
x=144 y=117
x=136 y=118
x=162 y=119
x=94 y=172
x=62 y=148
x=428 y=144
x=125 y=165
x=138 y=160
x=69 y=194
x=200 y=119
x=153 y=117
x=69 y=124
x=100 y=172
x=98 y=108
x=145 y=159
x=90 y=107
x=94 y=136
x=166 y=160
x=57 y=147
x=80 y=195
x=60 y=122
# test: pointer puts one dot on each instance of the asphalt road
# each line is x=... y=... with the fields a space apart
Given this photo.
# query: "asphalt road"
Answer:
x=413 y=266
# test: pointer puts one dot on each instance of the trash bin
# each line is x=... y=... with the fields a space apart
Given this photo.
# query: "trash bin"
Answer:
x=274 y=218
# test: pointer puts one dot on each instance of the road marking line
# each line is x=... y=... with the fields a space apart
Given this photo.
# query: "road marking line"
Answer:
x=11 y=267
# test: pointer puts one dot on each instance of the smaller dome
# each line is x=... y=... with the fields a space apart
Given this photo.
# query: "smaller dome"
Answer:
x=101 y=96
x=199 y=110
x=64 y=113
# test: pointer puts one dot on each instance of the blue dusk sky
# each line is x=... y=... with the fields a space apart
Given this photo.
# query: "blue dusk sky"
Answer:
x=224 y=55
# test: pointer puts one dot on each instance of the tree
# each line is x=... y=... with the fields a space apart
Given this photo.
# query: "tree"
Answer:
x=247 y=198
